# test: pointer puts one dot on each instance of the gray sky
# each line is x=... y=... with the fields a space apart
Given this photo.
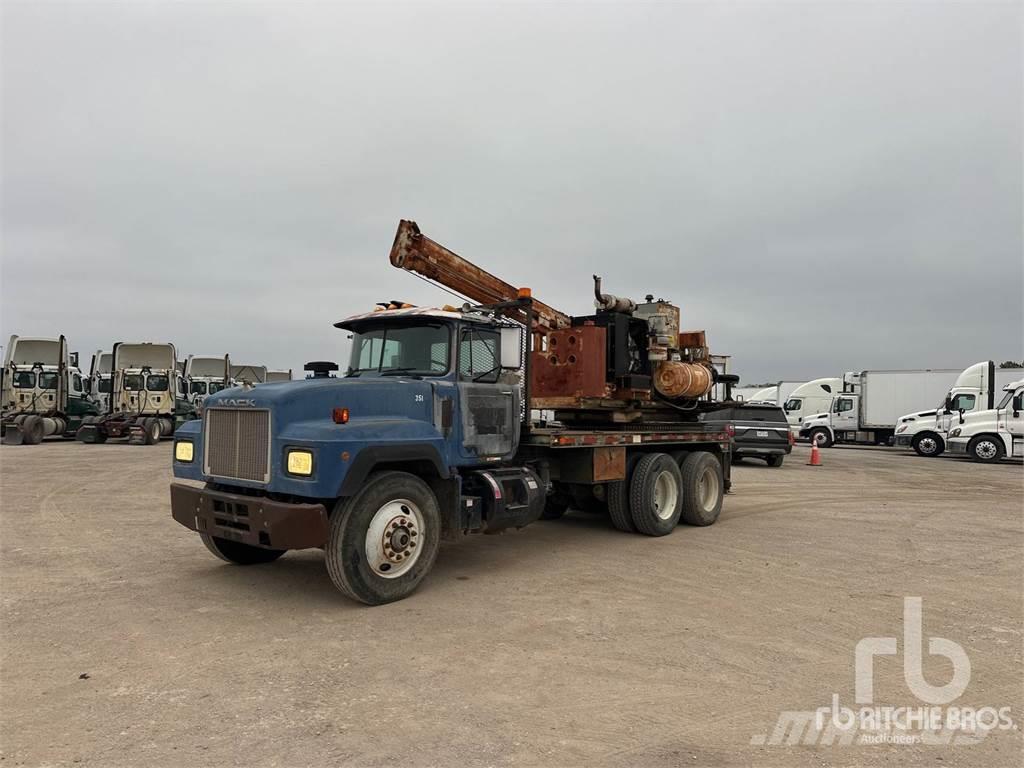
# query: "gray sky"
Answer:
x=822 y=187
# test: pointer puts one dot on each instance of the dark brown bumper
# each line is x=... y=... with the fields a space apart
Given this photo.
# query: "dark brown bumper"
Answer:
x=254 y=520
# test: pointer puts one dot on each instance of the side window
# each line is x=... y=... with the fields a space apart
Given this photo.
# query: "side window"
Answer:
x=843 y=405
x=793 y=404
x=478 y=356
x=1018 y=401
x=966 y=402
x=76 y=383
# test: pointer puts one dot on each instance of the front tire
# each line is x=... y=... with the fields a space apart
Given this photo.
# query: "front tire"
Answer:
x=237 y=553
x=928 y=444
x=986 y=449
x=384 y=540
x=821 y=437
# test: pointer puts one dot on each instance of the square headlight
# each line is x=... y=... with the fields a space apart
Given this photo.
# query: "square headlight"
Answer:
x=184 y=451
x=299 y=462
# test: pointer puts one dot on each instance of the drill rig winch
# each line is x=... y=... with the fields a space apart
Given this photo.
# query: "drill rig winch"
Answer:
x=625 y=363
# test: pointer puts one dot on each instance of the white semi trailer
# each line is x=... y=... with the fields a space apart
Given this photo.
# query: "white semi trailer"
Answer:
x=279 y=374
x=870 y=404
x=975 y=389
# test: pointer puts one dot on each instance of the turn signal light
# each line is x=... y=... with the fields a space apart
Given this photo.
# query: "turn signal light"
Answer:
x=340 y=415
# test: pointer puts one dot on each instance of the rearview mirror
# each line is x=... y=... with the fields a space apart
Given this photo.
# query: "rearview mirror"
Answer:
x=511 y=348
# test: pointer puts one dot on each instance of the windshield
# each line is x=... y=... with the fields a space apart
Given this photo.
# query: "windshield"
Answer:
x=157 y=382
x=104 y=385
x=133 y=382
x=793 y=404
x=24 y=380
x=1006 y=399
x=419 y=349
x=47 y=380
x=216 y=387
x=198 y=387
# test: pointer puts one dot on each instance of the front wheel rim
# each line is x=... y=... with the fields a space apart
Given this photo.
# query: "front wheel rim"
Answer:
x=819 y=438
x=986 y=450
x=394 y=538
x=666 y=495
x=928 y=445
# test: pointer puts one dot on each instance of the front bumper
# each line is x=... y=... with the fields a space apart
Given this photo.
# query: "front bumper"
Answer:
x=254 y=520
x=957 y=445
x=903 y=440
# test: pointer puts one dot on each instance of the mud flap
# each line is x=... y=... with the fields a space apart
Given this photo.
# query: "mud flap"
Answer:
x=13 y=435
x=88 y=433
x=136 y=435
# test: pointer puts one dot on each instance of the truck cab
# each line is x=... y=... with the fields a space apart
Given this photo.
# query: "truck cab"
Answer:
x=992 y=434
x=206 y=375
x=43 y=391
x=810 y=398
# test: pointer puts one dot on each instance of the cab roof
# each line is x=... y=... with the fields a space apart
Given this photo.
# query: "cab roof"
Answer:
x=408 y=312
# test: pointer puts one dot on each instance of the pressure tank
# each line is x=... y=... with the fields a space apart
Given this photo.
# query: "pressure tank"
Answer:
x=674 y=379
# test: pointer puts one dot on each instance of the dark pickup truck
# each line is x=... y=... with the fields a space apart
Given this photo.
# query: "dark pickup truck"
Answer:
x=760 y=431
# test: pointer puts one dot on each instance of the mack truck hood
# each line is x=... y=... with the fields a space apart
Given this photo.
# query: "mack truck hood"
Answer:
x=309 y=400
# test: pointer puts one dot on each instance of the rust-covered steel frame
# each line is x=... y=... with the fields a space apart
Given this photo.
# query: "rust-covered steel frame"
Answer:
x=415 y=252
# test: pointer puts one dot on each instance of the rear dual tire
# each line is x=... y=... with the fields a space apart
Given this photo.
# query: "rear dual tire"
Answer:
x=636 y=504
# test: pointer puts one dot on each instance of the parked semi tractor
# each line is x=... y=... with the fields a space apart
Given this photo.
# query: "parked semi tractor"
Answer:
x=101 y=380
x=810 y=398
x=148 y=400
x=206 y=375
x=776 y=394
x=867 y=409
x=279 y=374
x=975 y=389
x=42 y=392
x=991 y=434
x=428 y=436
x=250 y=375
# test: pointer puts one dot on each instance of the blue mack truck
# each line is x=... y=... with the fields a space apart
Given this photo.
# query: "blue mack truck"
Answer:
x=429 y=436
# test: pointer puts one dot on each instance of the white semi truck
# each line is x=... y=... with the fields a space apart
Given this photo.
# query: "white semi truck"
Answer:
x=248 y=374
x=279 y=374
x=993 y=433
x=42 y=391
x=870 y=403
x=101 y=379
x=975 y=389
x=148 y=400
x=810 y=398
x=207 y=375
x=777 y=394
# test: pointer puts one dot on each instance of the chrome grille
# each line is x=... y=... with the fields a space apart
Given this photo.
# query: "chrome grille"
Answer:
x=237 y=443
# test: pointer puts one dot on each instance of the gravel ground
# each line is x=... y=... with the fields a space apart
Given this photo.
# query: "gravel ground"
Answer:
x=126 y=643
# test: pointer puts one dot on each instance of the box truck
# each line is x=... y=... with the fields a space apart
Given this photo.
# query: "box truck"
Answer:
x=867 y=409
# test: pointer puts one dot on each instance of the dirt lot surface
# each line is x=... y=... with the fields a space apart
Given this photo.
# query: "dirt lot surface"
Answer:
x=126 y=643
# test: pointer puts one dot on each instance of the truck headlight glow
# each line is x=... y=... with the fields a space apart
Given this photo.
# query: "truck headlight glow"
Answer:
x=184 y=450
x=300 y=462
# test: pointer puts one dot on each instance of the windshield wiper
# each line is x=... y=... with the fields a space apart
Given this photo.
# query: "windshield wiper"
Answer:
x=400 y=371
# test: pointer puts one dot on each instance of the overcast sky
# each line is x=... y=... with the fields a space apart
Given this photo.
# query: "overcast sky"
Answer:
x=822 y=187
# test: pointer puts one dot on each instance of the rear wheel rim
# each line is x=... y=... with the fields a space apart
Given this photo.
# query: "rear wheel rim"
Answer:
x=394 y=538
x=707 y=489
x=666 y=495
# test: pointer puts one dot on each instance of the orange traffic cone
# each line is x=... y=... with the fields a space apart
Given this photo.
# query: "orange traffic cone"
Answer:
x=815 y=456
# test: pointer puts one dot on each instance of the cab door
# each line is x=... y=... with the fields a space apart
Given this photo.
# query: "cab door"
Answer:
x=489 y=406
x=844 y=413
